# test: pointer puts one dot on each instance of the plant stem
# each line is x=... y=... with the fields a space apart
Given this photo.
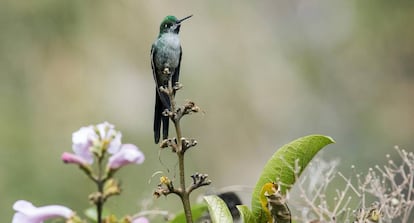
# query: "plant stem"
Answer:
x=99 y=204
x=184 y=195
x=100 y=184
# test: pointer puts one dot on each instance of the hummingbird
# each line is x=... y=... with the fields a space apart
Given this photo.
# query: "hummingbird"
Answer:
x=165 y=62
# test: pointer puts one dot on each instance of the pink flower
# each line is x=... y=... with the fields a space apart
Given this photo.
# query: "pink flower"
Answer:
x=126 y=155
x=72 y=158
x=108 y=133
x=86 y=138
x=83 y=141
x=27 y=213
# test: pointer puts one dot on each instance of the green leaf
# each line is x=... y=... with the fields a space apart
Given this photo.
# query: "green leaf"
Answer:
x=245 y=214
x=218 y=210
x=280 y=167
x=197 y=210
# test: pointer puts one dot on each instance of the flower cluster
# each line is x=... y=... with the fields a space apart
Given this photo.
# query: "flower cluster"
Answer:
x=96 y=141
x=95 y=144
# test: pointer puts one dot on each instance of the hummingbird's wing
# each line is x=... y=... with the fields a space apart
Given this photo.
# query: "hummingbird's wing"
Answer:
x=154 y=69
x=176 y=76
x=161 y=101
x=164 y=97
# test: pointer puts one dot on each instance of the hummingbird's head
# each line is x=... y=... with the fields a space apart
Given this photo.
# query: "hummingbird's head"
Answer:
x=171 y=24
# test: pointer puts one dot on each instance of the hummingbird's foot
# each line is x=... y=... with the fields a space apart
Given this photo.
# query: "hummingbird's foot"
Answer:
x=165 y=90
x=178 y=86
x=169 y=113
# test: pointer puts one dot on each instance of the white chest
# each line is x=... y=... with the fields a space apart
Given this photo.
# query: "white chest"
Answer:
x=170 y=40
x=169 y=50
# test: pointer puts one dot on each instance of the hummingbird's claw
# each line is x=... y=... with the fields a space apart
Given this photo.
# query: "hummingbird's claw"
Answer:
x=178 y=86
x=164 y=90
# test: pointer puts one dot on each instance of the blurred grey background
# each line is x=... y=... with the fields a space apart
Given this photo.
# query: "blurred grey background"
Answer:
x=264 y=73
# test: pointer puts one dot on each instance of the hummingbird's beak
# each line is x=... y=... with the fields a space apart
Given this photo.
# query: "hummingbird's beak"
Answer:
x=179 y=21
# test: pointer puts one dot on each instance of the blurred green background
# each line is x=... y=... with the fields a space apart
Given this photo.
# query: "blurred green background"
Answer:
x=264 y=73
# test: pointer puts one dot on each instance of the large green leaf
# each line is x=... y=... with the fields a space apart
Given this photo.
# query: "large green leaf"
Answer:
x=197 y=211
x=218 y=210
x=245 y=214
x=280 y=167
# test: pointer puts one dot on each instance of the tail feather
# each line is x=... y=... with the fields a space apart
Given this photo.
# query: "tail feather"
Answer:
x=157 y=118
x=160 y=118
